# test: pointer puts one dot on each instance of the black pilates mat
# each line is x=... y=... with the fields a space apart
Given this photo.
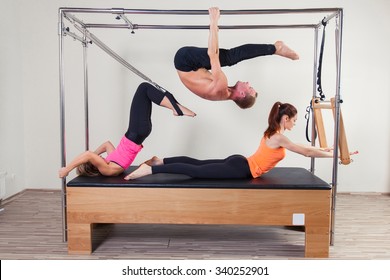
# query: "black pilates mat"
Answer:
x=277 y=178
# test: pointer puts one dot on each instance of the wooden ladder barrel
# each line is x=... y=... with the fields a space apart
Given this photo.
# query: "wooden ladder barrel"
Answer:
x=317 y=106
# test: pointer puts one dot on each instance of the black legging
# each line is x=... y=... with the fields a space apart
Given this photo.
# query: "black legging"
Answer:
x=232 y=167
x=140 y=124
x=193 y=58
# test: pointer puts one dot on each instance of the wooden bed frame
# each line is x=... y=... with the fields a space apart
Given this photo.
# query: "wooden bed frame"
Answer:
x=282 y=197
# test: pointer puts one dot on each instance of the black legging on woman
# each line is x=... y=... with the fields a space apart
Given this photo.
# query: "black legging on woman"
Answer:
x=233 y=167
x=193 y=58
x=140 y=124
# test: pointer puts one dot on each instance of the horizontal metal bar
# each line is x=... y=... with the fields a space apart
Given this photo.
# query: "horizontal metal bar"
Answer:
x=149 y=26
x=228 y=12
x=259 y=26
x=198 y=12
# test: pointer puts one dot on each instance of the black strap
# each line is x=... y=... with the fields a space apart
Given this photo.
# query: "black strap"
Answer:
x=309 y=110
x=174 y=103
x=319 y=88
x=319 y=72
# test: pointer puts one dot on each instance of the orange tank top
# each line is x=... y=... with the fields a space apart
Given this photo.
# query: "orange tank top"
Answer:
x=264 y=159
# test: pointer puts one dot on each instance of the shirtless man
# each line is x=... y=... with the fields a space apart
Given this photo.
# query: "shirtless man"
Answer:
x=200 y=69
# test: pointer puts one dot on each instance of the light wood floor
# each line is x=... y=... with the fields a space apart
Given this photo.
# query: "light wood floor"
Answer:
x=31 y=228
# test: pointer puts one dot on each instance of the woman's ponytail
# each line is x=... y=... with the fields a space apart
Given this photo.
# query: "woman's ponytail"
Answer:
x=278 y=110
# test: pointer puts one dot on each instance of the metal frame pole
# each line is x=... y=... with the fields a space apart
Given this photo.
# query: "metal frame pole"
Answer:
x=199 y=27
x=86 y=105
x=338 y=34
x=313 y=125
x=62 y=120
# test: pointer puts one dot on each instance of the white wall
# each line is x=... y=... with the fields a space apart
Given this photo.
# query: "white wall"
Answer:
x=30 y=136
x=12 y=139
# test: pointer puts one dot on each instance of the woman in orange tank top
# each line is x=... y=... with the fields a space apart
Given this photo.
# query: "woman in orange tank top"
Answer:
x=272 y=148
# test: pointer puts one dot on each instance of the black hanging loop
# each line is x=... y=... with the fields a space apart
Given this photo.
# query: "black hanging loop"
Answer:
x=309 y=110
x=319 y=71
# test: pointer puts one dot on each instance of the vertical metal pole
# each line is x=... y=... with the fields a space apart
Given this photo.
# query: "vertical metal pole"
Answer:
x=86 y=106
x=338 y=34
x=313 y=125
x=62 y=120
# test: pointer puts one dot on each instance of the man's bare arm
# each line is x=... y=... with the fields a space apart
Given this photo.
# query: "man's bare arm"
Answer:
x=213 y=45
x=219 y=84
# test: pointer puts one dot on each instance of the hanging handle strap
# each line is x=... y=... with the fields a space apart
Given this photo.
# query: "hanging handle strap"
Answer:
x=319 y=71
x=309 y=110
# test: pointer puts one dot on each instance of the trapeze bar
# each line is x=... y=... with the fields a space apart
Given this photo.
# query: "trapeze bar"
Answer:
x=198 y=12
x=146 y=26
x=112 y=53
x=118 y=58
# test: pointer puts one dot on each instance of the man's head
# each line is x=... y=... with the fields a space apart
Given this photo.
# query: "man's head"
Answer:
x=244 y=95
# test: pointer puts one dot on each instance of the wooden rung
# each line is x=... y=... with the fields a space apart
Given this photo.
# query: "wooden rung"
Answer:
x=320 y=104
x=319 y=122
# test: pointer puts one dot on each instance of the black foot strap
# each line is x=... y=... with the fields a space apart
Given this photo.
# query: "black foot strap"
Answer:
x=174 y=103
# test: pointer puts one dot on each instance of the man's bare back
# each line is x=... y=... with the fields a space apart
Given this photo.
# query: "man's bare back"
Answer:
x=202 y=83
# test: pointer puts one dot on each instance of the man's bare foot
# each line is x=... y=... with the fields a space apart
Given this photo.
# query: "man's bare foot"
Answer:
x=154 y=161
x=283 y=50
x=185 y=110
x=141 y=171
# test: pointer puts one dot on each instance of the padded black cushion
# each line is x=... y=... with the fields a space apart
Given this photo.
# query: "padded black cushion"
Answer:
x=277 y=178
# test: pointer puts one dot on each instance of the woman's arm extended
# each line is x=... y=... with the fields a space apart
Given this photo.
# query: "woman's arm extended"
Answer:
x=307 y=151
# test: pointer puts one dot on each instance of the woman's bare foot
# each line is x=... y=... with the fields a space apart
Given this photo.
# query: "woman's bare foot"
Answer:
x=283 y=50
x=185 y=110
x=141 y=171
x=154 y=161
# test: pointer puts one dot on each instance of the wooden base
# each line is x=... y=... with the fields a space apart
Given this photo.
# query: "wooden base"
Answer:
x=90 y=205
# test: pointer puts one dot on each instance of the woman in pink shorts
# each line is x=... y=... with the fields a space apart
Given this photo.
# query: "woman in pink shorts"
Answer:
x=91 y=163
